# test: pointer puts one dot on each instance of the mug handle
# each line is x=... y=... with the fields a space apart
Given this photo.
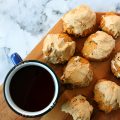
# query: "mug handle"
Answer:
x=16 y=59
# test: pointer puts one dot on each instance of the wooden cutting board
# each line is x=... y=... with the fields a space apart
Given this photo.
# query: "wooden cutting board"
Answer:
x=101 y=70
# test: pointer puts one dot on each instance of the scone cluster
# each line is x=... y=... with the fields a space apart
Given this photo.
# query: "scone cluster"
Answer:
x=59 y=48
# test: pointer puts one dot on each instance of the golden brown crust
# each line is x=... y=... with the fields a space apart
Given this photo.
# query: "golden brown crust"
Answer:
x=114 y=66
x=87 y=46
x=58 y=48
x=79 y=21
x=77 y=108
x=103 y=26
x=66 y=37
x=84 y=34
x=100 y=60
x=99 y=98
x=94 y=46
x=107 y=99
x=114 y=72
x=78 y=72
x=112 y=69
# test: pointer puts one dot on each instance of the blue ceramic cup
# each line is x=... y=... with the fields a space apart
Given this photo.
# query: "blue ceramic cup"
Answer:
x=19 y=64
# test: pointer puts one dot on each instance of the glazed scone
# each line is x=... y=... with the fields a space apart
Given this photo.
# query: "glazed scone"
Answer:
x=78 y=107
x=98 y=46
x=79 y=21
x=115 y=65
x=58 y=48
x=106 y=94
x=110 y=23
x=78 y=72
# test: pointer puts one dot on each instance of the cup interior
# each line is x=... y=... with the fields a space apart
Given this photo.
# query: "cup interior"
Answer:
x=8 y=97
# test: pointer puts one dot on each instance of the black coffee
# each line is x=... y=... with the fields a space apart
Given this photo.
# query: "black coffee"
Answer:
x=32 y=88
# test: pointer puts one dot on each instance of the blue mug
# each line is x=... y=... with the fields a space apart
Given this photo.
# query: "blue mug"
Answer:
x=19 y=64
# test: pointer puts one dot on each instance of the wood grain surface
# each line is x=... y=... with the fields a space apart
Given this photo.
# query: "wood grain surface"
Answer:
x=101 y=70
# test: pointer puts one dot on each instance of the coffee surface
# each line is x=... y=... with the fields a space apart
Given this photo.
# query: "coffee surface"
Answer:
x=32 y=88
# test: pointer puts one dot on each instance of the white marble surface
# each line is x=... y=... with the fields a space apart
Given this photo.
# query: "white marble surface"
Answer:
x=24 y=22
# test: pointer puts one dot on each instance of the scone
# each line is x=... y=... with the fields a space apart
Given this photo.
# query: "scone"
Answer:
x=106 y=94
x=98 y=46
x=78 y=72
x=110 y=23
x=115 y=65
x=78 y=107
x=58 y=48
x=79 y=21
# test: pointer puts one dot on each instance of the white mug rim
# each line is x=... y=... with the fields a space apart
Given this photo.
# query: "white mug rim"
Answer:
x=11 y=103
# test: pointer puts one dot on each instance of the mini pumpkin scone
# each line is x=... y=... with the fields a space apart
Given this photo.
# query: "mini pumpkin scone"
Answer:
x=98 y=46
x=110 y=23
x=58 y=48
x=78 y=72
x=79 y=21
x=78 y=107
x=115 y=65
x=106 y=94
